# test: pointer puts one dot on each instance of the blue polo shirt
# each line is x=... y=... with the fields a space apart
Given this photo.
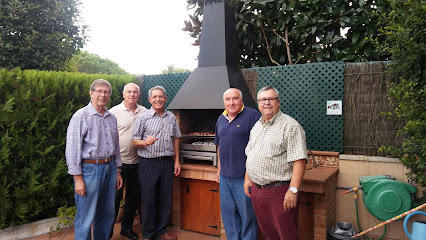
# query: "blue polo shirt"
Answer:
x=232 y=138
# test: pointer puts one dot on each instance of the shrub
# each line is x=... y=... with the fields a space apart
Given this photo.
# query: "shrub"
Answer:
x=35 y=109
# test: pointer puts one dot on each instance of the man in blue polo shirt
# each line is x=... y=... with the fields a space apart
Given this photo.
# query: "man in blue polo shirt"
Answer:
x=231 y=137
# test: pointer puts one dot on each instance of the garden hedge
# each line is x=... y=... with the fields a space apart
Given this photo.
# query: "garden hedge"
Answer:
x=35 y=109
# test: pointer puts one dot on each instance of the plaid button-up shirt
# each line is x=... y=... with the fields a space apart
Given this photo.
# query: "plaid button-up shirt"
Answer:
x=272 y=148
x=91 y=136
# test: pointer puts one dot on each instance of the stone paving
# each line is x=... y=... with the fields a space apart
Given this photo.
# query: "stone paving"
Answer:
x=68 y=234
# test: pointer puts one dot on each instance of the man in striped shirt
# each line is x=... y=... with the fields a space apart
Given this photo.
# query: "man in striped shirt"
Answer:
x=276 y=159
x=156 y=135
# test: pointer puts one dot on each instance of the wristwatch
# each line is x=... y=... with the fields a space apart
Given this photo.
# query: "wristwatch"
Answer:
x=119 y=170
x=293 y=190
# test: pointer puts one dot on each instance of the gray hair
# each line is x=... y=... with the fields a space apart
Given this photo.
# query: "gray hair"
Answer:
x=125 y=86
x=264 y=89
x=100 y=82
x=157 y=88
x=238 y=90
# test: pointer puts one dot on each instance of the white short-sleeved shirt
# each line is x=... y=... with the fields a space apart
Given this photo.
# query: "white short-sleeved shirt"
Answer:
x=125 y=124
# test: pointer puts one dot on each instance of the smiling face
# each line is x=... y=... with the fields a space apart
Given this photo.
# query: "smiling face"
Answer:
x=270 y=107
x=232 y=101
x=100 y=97
x=131 y=95
x=157 y=100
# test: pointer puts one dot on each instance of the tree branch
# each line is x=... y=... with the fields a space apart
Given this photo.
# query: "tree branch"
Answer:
x=287 y=44
x=267 y=47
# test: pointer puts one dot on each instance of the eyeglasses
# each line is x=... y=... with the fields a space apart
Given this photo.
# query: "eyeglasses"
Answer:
x=99 y=92
x=263 y=100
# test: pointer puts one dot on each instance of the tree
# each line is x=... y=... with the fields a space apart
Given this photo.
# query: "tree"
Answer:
x=405 y=31
x=92 y=63
x=39 y=34
x=278 y=32
x=172 y=69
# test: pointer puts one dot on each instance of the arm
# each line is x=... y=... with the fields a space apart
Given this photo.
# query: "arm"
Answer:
x=144 y=143
x=247 y=184
x=79 y=185
x=290 y=198
x=218 y=166
x=119 y=182
x=176 y=149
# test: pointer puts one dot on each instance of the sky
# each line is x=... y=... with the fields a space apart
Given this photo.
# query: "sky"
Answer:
x=141 y=36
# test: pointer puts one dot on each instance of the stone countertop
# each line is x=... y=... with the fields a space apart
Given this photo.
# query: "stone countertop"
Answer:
x=316 y=180
x=319 y=179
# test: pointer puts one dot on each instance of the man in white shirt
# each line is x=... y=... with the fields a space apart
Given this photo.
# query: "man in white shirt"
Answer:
x=126 y=113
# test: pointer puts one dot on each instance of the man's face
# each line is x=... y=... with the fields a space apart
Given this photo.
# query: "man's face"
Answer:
x=157 y=100
x=100 y=96
x=270 y=107
x=233 y=102
x=131 y=95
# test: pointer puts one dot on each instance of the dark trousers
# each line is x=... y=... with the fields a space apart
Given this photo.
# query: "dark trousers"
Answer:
x=274 y=222
x=129 y=173
x=156 y=177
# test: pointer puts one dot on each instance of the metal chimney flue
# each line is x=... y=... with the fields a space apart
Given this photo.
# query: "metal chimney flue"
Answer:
x=217 y=63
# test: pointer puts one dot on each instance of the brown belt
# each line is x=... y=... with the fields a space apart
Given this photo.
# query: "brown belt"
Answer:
x=97 y=162
x=272 y=185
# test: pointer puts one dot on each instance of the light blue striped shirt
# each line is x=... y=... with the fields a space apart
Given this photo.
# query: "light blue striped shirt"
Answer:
x=91 y=136
x=165 y=128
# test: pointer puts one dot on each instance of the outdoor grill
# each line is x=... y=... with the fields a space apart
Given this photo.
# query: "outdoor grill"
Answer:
x=192 y=149
x=199 y=101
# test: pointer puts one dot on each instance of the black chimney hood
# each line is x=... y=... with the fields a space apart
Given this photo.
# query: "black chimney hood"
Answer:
x=217 y=63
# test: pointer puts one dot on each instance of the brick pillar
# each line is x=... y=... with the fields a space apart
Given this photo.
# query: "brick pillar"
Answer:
x=325 y=210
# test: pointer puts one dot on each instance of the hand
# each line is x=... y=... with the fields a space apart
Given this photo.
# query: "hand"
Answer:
x=290 y=200
x=150 y=140
x=119 y=182
x=177 y=168
x=217 y=179
x=80 y=186
x=247 y=185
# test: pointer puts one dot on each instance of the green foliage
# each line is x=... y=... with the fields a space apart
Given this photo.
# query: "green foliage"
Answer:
x=172 y=69
x=91 y=63
x=36 y=107
x=66 y=217
x=405 y=31
x=39 y=34
x=311 y=28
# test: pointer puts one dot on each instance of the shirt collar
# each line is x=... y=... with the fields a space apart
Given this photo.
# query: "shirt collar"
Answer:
x=225 y=113
x=272 y=120
x=152 y=112
x=126 y=109
x=92 y=110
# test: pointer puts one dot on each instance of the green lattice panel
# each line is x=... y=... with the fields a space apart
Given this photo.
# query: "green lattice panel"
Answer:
x=171 y=82
x=304 y=91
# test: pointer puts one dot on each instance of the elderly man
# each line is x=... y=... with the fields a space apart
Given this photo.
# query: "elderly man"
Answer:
x=156 y=135
x=93 y=158
x=276 y=159
x=126 y=113
x=231 y=137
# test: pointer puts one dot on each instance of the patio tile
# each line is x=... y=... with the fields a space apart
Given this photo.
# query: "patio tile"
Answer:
x=68 y=234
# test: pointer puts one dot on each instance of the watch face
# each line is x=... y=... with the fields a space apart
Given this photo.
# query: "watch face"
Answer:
x=293 y=189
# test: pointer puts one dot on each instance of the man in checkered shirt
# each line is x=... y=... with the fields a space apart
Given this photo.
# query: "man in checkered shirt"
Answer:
x=276 y=159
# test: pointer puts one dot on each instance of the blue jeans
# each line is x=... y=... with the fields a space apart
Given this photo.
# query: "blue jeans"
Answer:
x=97 y=206
x=237 y=210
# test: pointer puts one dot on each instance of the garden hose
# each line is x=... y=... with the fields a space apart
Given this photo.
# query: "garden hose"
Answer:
x=357 y=219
